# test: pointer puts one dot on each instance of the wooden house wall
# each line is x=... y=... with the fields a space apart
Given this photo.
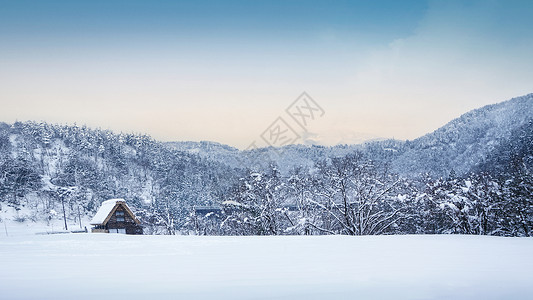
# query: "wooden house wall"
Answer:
x=128 y=223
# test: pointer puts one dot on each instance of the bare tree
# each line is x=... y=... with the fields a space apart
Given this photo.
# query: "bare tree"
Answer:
x=359 y=196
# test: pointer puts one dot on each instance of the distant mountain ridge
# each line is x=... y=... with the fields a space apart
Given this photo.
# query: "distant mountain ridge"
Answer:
x=459 y=145
x=465 y=141
x=47 y=168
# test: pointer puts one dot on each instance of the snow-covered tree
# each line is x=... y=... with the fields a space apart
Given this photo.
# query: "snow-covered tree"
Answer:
x=359 y=197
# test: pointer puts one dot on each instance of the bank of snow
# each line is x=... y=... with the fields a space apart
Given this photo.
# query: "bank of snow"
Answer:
x=25 y=221
x=104 y=266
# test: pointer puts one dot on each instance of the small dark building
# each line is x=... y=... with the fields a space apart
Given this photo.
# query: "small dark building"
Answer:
x=208 y=211
x=114 y=216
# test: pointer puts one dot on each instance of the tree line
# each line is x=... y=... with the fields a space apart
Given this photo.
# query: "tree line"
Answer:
x=61 y=171
x=353 y=195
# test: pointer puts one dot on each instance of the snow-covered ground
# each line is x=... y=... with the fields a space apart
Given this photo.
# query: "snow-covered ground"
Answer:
x=106 y=266
x=31 y=223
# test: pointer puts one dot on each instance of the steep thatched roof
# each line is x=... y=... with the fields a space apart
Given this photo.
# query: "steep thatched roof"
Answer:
x=107 y=209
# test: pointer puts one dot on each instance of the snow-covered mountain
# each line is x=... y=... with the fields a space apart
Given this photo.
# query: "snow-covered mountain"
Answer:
x=48 y=168
x=208 y=150
x=43 y=166
x=338 y=136
x=466 y=141
x=514 y=154
x=460 y=145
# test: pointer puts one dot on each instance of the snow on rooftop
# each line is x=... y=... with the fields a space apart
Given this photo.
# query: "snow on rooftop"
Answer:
x=104 y=211
x=231 y=202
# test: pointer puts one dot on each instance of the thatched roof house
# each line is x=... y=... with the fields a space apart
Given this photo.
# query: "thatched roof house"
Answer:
x=114 y=216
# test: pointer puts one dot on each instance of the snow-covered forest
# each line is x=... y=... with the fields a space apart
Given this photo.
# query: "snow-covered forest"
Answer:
x=472 y=176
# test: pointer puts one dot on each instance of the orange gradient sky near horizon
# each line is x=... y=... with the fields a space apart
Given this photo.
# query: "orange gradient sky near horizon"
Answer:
x=227 y=83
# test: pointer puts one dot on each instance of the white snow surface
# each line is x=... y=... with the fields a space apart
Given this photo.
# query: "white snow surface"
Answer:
x=104 y=211
x=104 y=266
x=33 y=223
x=231 y=202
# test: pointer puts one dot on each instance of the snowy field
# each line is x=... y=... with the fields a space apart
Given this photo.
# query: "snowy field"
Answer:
x=104 y=266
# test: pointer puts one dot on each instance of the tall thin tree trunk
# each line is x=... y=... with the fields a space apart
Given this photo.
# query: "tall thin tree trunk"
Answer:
x=79 y=214
x=64 y=214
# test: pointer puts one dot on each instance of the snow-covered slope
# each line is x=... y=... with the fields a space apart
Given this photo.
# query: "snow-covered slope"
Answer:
x=465 y=141
x=43 y=166
x=104 y=266
x=512 y=155
x=51 y=172
x=208 y=150
x=459 y=145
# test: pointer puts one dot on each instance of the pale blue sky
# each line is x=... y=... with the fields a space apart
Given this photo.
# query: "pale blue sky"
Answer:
x=224 y=70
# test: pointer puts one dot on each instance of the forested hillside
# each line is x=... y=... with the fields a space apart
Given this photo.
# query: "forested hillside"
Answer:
x=45 y=167
x=471 y=176
x=457 y=147
x=465 y=142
